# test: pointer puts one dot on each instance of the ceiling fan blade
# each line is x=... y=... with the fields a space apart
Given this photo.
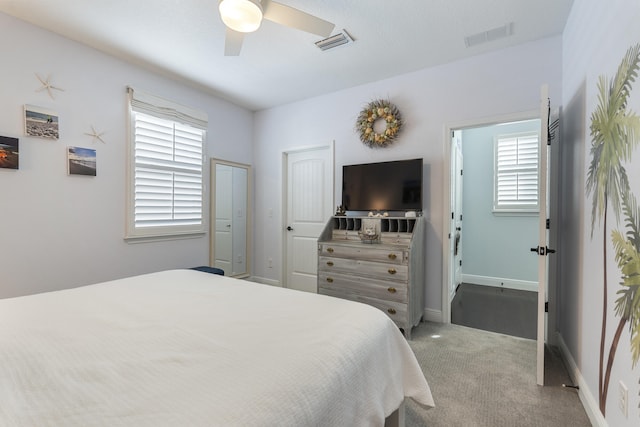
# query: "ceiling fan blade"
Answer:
x=294 y=18
x=232 y=42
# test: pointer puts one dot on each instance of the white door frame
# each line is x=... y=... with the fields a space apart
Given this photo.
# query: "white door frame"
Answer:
x=285 y=181
x=446 y=205
x=455 y=225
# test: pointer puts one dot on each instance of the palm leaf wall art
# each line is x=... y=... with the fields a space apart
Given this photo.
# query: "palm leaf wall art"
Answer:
x=627 y=308
x=615 y=133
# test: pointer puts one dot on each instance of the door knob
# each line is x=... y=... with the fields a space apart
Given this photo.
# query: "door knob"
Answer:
x=289 y=228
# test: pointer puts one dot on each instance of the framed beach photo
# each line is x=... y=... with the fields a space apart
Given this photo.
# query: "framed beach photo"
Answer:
x=41 y=122
x=81 y=161
x=9 y=152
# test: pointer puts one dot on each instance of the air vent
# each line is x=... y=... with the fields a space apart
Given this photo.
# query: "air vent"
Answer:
x=489 y=35
x=335 y=41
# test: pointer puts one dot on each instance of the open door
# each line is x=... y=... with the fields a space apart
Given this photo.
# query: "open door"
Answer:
x=542 y=249
x=223 y=217
x=456 y=214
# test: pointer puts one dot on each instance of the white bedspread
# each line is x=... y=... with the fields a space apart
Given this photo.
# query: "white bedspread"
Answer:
x=186 y=348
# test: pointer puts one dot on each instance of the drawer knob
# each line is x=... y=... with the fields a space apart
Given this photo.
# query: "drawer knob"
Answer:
x=392 y=290
x=392 y=271
x=391 y=310
x=330 y=250
x=329 y=279
x=393 y=256
x=329 y=263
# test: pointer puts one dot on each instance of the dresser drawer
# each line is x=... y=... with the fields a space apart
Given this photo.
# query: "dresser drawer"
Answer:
x=345 y=235
x=365 y=251
x=375 y=270
x=401 y=239
x=395 y=310
x=365 y=287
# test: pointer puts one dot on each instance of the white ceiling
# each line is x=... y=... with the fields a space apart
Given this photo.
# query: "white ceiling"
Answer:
x=184 y=39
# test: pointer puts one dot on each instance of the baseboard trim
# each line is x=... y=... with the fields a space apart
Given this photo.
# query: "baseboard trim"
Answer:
x=500 y=282
x=431 y=315
x=266 y=281
x=589 y=403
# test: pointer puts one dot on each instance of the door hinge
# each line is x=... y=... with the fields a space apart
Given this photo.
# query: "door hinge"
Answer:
x=546 y=307
x=543 y=251
x=461 y=170
x=548 y=224
x=460 y=263
x=452 y=215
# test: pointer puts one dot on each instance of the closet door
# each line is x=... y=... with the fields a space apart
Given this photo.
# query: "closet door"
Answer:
x=223 y=247
x=309 y=206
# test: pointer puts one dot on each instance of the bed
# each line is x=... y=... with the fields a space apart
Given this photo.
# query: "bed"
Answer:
x=183 y=347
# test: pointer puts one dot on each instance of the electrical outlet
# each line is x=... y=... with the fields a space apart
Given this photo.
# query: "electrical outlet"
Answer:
x=270 y=262
x=623 y=399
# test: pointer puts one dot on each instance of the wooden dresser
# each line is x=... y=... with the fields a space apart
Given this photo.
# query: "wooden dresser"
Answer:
x=377 y=261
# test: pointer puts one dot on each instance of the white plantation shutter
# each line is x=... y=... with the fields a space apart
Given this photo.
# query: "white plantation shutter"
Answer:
x=166 y=195
x=516 y=173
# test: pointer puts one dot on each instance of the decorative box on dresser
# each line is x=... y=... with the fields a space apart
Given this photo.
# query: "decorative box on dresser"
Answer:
x=378 y=261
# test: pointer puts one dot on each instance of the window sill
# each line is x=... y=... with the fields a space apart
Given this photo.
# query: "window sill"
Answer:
x=162 y=238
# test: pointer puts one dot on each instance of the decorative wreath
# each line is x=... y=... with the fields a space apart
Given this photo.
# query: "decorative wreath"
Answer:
x=374 y=111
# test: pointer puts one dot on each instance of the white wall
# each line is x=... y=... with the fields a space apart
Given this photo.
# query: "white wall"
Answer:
x=494 y=245
x=595 y=40
x=62 y=231
x=483 y=86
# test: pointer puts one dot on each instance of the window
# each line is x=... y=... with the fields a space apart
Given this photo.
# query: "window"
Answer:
x=516 y=173
x=166 y=154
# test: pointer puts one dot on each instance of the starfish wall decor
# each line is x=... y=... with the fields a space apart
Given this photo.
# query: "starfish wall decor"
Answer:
x=97 y=136
x=48 y=86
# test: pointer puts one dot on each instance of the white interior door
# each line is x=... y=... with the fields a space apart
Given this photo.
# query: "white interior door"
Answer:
x=223 y=246
x=239 y=222
x=456 y=213
x=542 y=248
x=309 y=206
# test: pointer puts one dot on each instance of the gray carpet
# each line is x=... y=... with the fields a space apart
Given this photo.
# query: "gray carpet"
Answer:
x=481 y=378
x=507 y=311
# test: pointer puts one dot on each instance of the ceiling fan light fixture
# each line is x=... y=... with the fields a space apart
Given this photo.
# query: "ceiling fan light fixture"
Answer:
x=243 y=16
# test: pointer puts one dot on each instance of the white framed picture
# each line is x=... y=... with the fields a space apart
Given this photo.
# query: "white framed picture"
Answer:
x=41 y=122
x=9 y=152
x=81 y=161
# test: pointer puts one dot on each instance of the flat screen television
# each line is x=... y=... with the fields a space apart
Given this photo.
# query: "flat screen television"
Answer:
x=384 y=186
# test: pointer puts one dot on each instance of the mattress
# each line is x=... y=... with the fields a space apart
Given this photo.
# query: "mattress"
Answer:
x=183 y=347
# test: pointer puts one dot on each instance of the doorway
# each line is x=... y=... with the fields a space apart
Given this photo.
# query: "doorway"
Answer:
x=230 y=213
x=547 y=221
x=495 y=221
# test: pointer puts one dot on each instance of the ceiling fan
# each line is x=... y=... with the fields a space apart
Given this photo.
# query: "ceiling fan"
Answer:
x=245 y=16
